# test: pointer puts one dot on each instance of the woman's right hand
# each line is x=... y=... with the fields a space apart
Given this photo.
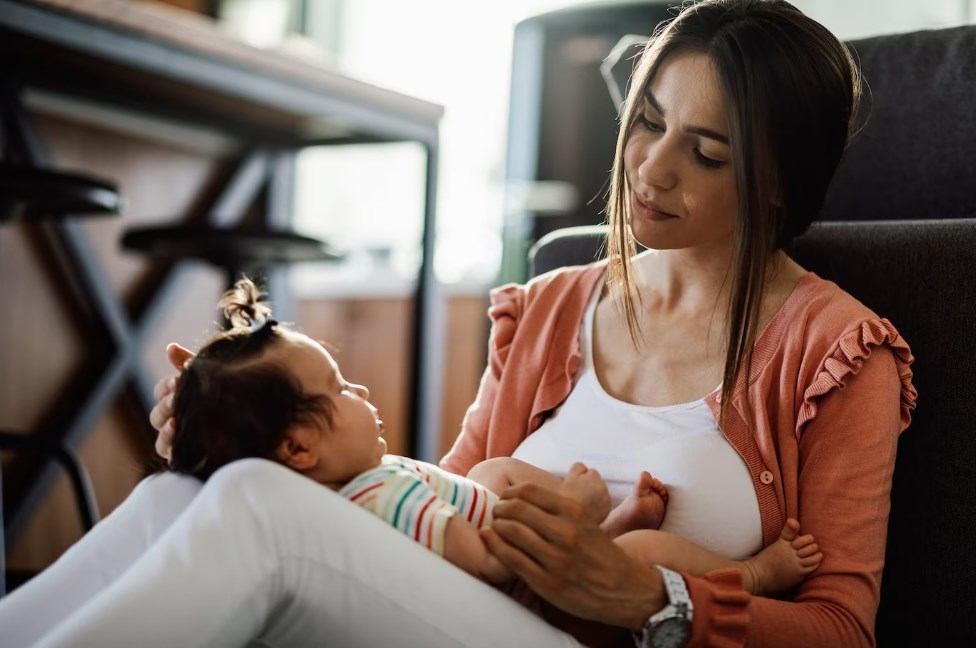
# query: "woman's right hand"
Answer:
x=161 y=416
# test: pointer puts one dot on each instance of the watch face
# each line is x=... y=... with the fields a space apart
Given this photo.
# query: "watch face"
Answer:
x=671 y=633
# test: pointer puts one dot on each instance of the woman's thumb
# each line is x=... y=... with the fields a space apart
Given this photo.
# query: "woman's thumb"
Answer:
x=178 y=355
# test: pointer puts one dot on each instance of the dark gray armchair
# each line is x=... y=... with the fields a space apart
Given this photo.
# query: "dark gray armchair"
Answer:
x=899 y=233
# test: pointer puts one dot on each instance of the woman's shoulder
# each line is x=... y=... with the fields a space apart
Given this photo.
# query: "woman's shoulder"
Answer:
x=828 y=329
x=821 y=326
x=823 y=309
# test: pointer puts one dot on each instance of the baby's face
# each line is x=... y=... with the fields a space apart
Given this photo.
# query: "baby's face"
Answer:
x=355 y=442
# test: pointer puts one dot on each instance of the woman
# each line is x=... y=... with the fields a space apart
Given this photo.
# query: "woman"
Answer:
x=714 y=361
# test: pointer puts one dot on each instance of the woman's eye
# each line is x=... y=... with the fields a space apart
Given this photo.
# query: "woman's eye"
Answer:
x=708 y=162
x=654 y=127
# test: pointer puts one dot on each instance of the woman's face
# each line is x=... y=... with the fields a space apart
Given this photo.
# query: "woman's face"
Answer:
x=678 y=159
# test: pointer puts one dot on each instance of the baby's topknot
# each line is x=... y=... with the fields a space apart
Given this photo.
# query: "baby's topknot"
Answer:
x=244 y=305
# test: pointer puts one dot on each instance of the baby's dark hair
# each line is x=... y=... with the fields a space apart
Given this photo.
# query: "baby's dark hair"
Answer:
x=233 y=402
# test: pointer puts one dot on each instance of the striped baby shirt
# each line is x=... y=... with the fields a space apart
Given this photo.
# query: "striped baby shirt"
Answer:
x=418 y=498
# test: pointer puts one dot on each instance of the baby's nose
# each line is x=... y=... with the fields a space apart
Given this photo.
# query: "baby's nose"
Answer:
x=362 y=391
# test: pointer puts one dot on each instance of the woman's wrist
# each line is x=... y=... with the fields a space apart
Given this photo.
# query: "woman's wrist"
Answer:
x=648 y=599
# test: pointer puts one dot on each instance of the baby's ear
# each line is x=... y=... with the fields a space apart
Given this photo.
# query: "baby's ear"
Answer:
x=298 y=449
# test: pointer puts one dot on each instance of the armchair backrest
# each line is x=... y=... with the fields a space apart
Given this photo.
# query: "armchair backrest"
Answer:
x=913 y=155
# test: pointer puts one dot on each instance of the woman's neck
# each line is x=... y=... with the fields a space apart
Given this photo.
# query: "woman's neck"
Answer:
x=683 y=283
x=681 y=280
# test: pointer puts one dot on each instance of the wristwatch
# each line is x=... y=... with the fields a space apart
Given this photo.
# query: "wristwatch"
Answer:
x=671 y=627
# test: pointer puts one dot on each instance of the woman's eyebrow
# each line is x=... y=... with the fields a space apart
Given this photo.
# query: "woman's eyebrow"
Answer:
x=696 y=130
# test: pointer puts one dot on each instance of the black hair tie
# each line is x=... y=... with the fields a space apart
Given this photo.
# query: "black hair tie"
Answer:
x=264 y=327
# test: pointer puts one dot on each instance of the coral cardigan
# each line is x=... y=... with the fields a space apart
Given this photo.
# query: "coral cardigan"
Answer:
x=829 y=390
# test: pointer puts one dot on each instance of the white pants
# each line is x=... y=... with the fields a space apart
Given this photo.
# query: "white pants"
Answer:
x=257 y=555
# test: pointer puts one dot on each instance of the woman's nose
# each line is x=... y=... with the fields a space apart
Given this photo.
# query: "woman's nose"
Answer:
x=657 y=167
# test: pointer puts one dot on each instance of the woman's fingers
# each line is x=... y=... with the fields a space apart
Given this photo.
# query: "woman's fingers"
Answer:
x=164 y=386
x=551 y=526
x=545 y=499
x=163 y=411
x=161 y=416
x=164 y=440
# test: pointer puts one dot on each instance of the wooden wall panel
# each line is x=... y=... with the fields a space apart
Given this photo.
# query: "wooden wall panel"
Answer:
x=467 y=344
x=370 y=340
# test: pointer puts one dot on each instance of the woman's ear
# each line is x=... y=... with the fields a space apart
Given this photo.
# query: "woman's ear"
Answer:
x=299 y=450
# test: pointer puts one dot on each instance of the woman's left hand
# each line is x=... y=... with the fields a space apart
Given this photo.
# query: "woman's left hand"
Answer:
x=549 y=542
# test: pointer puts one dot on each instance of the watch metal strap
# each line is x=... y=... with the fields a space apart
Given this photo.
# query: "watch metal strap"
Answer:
x=677 y=590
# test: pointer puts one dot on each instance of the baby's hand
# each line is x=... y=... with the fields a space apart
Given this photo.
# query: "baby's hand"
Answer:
x=586 y=486
x=161 y=416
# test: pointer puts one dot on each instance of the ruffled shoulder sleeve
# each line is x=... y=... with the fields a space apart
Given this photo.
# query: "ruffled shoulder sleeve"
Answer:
x=507 y=304
x=848 y=357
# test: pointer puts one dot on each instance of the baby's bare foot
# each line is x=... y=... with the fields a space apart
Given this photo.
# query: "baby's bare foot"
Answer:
x=642 y=509
x=783 y=565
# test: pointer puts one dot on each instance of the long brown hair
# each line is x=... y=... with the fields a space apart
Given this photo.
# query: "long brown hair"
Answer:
x=792 y=88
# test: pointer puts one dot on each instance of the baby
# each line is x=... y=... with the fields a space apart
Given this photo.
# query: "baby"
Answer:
x=262 y=390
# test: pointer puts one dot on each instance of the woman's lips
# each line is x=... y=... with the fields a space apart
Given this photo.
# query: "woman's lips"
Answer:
x=649 y=211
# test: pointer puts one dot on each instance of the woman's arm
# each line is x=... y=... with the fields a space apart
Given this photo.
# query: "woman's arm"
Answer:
x=846 y=462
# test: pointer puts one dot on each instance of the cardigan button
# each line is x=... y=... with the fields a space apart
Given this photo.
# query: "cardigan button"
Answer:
x=718 y=398
x=766 y=477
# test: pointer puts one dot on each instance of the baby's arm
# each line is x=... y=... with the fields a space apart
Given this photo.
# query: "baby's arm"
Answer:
x=464 y=548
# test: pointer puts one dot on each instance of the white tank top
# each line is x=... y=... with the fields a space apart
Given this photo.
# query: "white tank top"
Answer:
x=712 y=500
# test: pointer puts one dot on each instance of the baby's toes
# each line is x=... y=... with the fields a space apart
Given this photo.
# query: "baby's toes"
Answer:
x=790 y=530
x=808 y=550
x=811 y=562
x=658 y=487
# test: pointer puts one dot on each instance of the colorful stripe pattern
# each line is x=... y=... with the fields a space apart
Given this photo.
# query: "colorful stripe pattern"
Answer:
x=418 y=498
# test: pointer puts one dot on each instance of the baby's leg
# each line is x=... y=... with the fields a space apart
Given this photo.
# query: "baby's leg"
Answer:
x=501 y=472
x=773 y=571
x=642 y=509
